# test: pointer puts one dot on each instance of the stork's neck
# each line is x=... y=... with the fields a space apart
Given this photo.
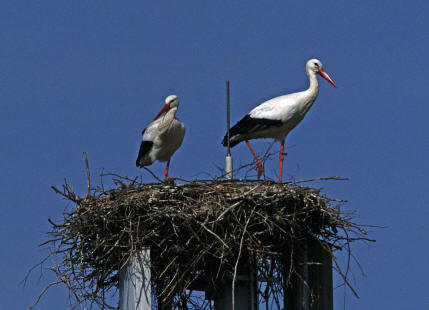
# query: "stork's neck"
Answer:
x=167 y=120
x=313 y=89
x=171 y=112
x=310 y=94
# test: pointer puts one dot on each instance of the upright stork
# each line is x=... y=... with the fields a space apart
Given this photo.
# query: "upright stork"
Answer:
x=276 y=117
x=162 y=137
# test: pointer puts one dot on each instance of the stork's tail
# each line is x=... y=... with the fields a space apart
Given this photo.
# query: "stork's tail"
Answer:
x=247 y=127
x=142 y=158
x=232 y=142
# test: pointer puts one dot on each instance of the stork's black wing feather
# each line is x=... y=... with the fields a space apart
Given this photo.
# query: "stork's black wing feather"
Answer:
x=249 y=125
x=145 y=148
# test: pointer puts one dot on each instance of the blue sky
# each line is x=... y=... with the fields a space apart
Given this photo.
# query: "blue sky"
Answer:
x=90 y=75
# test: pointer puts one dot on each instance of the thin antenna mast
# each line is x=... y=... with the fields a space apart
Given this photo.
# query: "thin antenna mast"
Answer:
x=228 y=158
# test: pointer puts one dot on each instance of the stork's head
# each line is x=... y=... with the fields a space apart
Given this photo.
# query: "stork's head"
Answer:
x=171 y=101
x=315 y=65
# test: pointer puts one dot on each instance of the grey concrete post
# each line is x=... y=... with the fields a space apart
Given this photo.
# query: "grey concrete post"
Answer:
x=135 y=291
x=245 y=294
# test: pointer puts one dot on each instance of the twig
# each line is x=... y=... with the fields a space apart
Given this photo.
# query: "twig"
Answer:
x=88 y=176
x=153 y=174
x=68 y=196
x=344 y=278
x=238 y=259
x=217 y=237
x=321 y=179
x=236 y=204
x=43 y=292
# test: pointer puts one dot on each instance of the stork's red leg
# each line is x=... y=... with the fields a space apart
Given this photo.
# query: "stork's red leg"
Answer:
x=258 y=162
x=166 y=170
x=282 y=145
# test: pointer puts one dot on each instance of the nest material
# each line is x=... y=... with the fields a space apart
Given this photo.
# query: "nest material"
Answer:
x=198 y=232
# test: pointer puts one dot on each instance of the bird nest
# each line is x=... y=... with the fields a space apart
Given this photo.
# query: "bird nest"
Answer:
x=197 y=232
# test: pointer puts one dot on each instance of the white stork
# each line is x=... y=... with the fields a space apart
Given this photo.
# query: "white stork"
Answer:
x=276 y=117
x=162 y=137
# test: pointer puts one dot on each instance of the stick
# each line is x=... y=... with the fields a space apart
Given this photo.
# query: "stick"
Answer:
x=238 y=258
x=153 y=174
x=87 y=174
x=322 y=179
x=43 y=292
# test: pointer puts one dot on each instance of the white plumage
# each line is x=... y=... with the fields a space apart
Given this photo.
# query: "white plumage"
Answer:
x=276 y=117
x=162 y=137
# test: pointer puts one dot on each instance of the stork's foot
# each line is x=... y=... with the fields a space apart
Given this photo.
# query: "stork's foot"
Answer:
x=258 y=162
x=282 y=153
x=169 y=181
x=259 y=168
x=166 y=170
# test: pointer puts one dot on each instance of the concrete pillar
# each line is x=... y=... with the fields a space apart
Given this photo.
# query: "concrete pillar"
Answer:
x=245 y=293
x=320 y=276
x=135 y=292
x=311 y=287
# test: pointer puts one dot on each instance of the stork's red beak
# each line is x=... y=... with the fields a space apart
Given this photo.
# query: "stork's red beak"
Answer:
x=326 y=77
x=165 y=108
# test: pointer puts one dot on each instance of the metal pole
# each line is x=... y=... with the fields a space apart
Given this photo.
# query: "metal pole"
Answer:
x=135 y=291
x=228 y=158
